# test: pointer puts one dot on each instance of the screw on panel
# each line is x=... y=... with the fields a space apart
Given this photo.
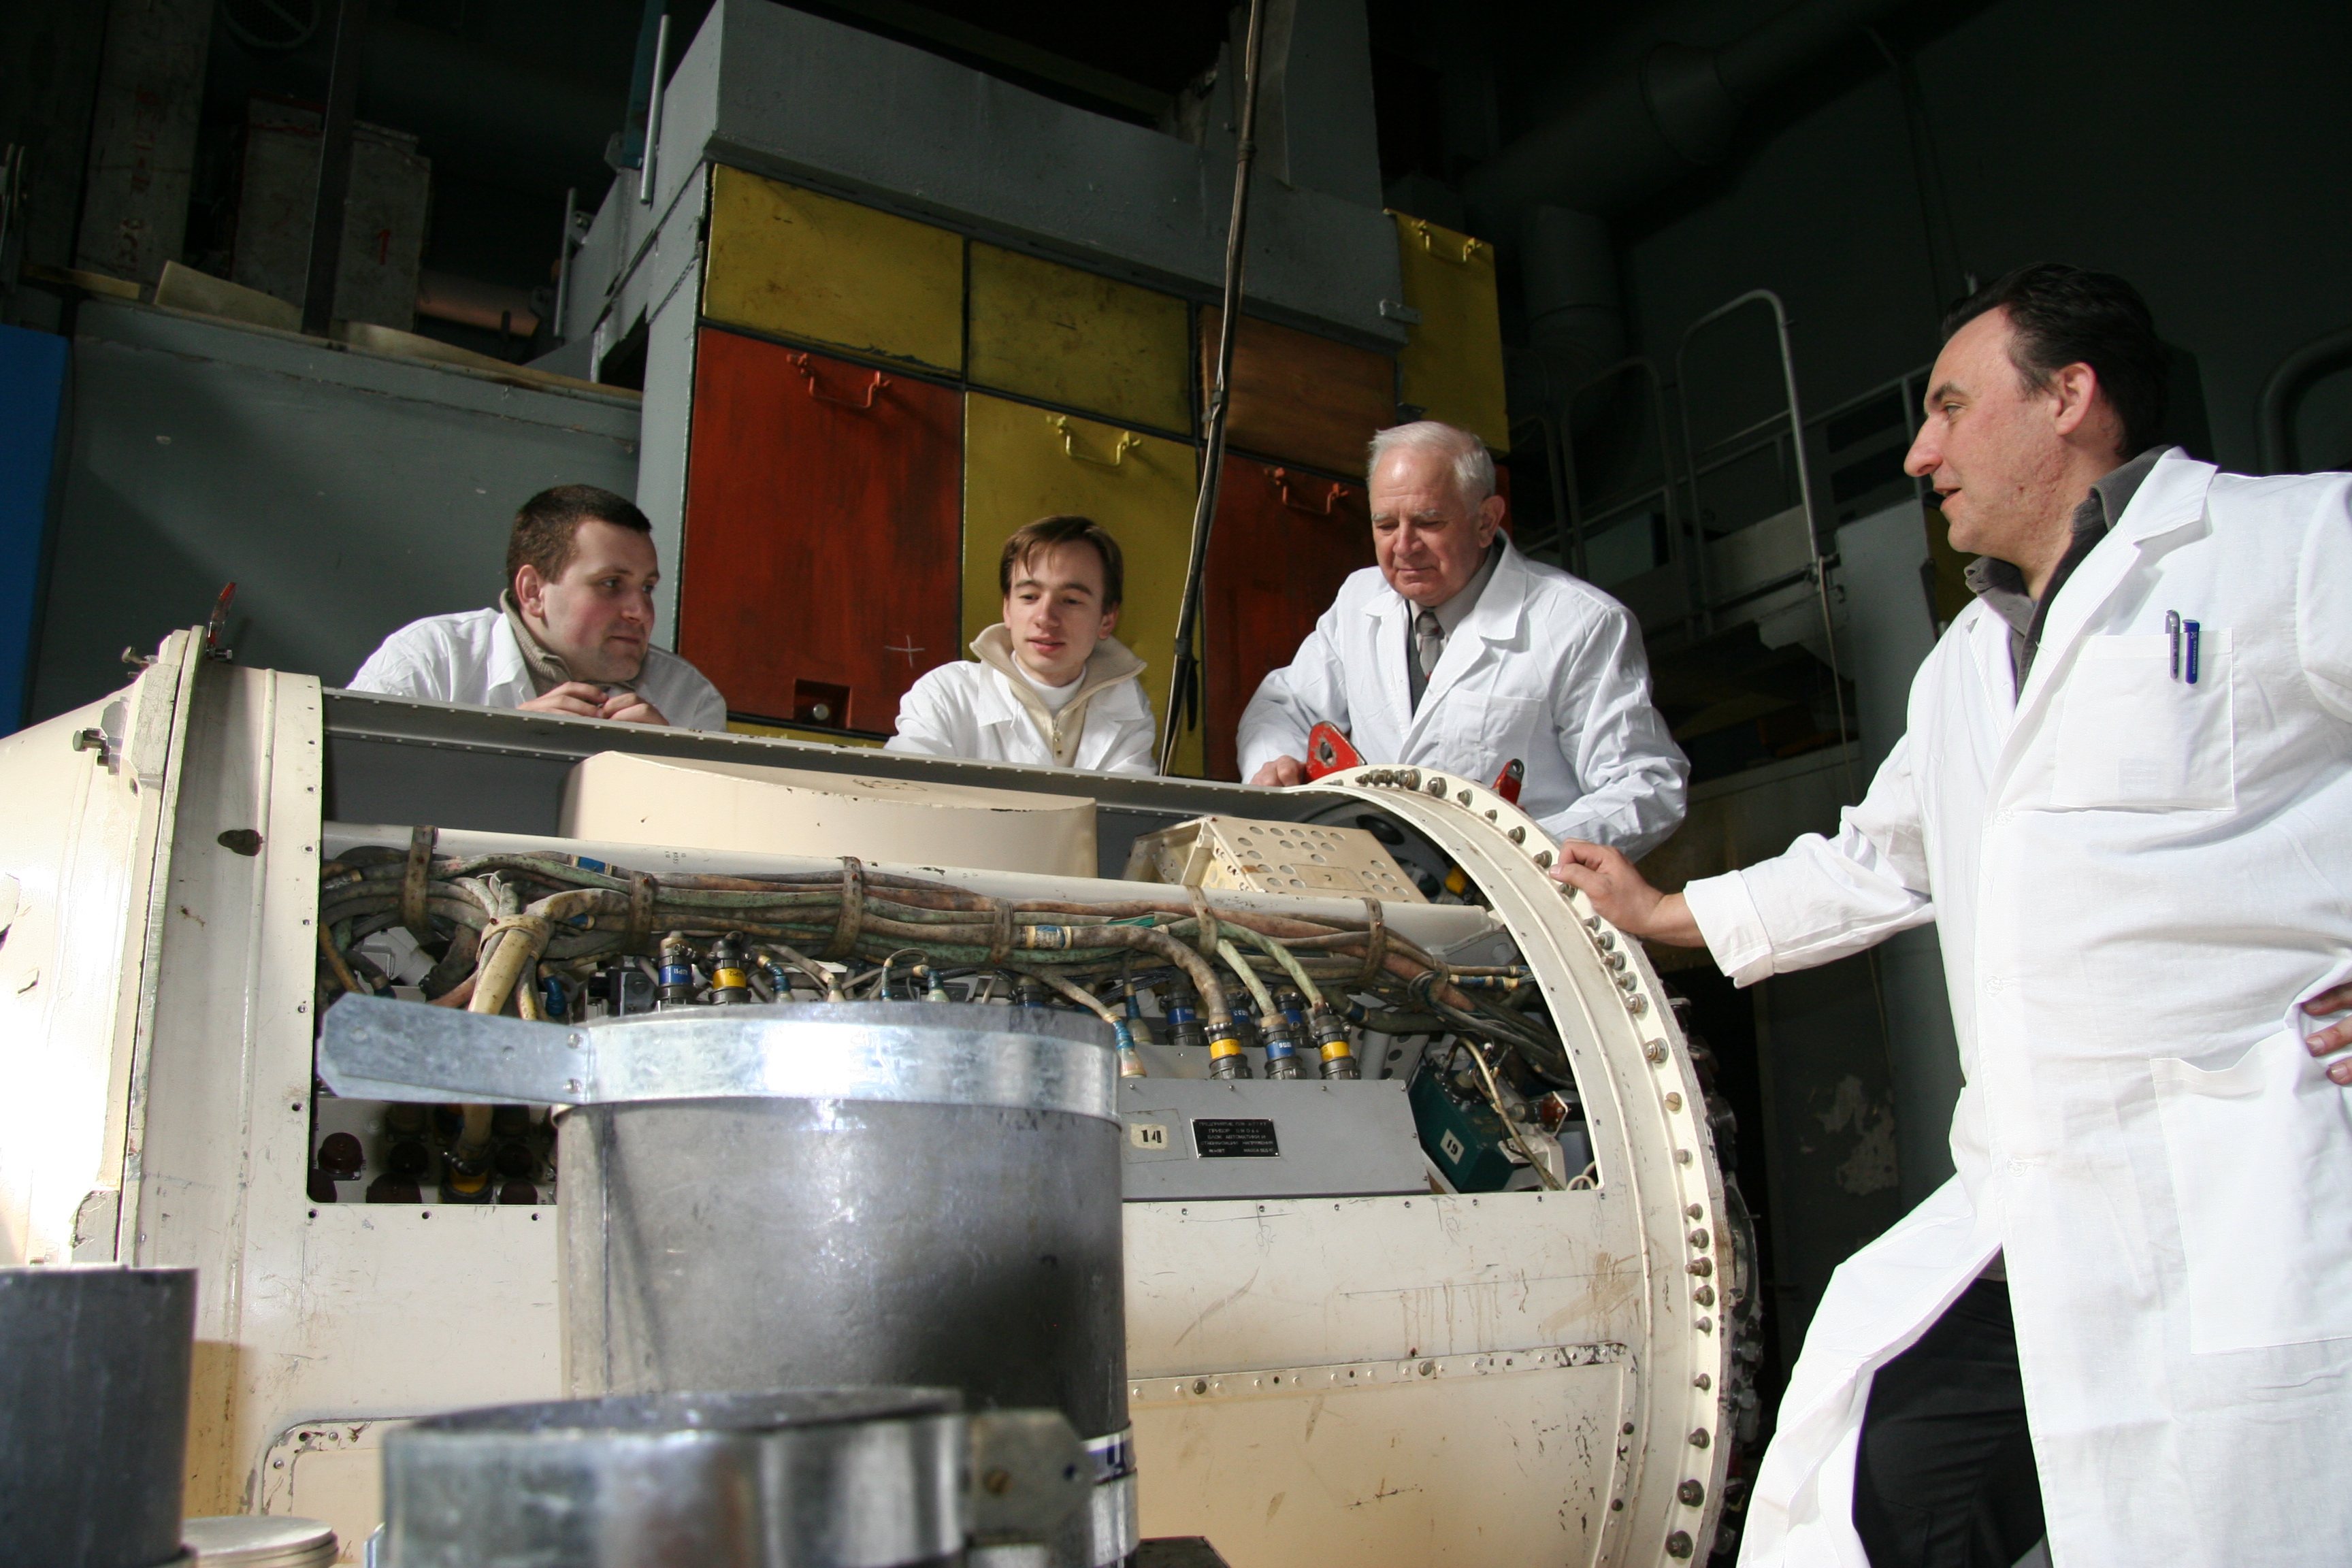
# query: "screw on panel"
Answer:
x=1616 y=1505
x=1437 y=787
x=1656 y=1053
x=1674 y=1103
x=1704 y=1295
x=1699 y=1239
x=1463 y=799
x=1698 y=1438
x=1628 y=1429
x=1200 y=1385
x=1679 y=1544
x=1543 y=861
x=1702 y=1383
x=1517 y=835
x=1429 y=1369
x=1694 y=1212
x=1700 y=1266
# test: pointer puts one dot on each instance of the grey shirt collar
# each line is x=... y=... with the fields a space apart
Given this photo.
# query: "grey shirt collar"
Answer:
x=2001 y=585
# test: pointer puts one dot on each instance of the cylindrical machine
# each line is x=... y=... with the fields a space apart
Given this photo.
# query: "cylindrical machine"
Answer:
x=821 y=1226
x=94 y=1363
x=810 y=1479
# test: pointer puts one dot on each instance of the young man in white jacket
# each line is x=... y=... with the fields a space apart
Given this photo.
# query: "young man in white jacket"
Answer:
x=2124 y=799
x=570 y=634
x=1052 y=686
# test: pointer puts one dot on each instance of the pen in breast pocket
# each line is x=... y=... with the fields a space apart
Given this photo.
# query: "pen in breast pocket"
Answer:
x=2172 y=630
x=2190 y=628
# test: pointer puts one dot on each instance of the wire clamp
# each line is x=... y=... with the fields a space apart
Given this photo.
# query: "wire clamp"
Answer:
x=1376 y=943
x=413 y=911
x=853 y=909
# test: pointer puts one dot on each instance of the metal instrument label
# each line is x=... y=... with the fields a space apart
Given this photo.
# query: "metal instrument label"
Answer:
x=1147 y=1135
x=1238 y=1138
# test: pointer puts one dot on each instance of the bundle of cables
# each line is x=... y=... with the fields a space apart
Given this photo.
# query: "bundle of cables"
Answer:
x=496 y=925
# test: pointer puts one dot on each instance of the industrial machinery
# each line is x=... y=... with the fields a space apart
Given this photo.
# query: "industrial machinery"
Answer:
x=1426 y=1253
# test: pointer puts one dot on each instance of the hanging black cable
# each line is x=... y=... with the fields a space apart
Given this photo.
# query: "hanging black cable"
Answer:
x=1184 y=681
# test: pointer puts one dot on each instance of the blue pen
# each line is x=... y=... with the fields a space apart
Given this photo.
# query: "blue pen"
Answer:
x=2191 y=628
x=2172 y=630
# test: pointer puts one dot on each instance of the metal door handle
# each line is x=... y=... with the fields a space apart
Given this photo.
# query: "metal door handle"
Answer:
x=1128 y=441
x=1330 y=506
x=801 y=362
x=1470 y=247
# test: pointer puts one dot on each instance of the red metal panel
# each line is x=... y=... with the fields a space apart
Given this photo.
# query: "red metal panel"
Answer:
x=1282 y=544
x=822 y=531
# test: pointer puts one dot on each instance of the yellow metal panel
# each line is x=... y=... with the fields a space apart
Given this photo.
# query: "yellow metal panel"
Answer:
x=800 y=265
x=1060 y=335
x=1453 y=360
x=1022 y=463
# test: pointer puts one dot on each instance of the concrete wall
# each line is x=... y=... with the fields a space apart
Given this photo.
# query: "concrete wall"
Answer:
x=2198 y=149
x=345 y=494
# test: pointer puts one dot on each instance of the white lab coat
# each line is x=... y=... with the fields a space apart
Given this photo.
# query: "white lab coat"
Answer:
x=971 y=709
x=2135 y=881
x=471 y=656
x=1546 y=669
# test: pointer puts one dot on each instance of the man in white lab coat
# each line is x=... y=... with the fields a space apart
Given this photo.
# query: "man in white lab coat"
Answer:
x=2125 y=798
x=1457 y=652
x=1048 y=685
x=570 y=634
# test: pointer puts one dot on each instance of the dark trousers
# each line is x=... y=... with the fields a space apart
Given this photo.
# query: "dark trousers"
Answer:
x=1945 y=1477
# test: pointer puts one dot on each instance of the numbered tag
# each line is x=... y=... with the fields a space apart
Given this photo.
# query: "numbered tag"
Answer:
x=1452 y=1145
x=1146 y=1135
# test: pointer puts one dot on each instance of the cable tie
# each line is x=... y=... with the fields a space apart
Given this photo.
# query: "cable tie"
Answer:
x=643 y=886
x=853 y=909
x=1001 y=933
x=1376 y=944
x=413 y=913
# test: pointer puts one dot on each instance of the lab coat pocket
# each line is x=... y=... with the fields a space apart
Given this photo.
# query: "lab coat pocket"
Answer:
x=2260 y=1156
x=1488 y=730
x=2132 y=737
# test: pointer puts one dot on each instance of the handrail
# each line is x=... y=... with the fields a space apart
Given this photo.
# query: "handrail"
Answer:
x=1796 y=418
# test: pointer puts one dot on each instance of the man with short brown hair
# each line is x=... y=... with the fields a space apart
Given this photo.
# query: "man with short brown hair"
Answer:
x=1052 y=687
x=571 y=633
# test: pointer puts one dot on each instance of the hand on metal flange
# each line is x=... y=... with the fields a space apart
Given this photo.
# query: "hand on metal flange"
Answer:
x=1280 y=772
x=1623 y=897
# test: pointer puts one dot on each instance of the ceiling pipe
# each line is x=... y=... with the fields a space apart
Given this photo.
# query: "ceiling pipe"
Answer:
x=1671 y=115
x=1547 y=194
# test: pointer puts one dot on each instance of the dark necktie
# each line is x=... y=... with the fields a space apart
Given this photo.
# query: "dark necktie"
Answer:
x=1428 y=647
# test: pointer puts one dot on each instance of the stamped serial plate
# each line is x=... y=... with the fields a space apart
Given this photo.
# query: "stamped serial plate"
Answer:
x=1235 y=1138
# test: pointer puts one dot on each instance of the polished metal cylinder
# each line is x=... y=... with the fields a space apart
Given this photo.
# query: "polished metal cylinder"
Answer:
x=94 y=1363
x=901 y=1194
x=807 y=1479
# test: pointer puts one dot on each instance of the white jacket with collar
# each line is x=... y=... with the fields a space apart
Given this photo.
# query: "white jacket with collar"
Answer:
x=1546 y=669
x=970 y=709
x=2135 y=881
x=471 y=658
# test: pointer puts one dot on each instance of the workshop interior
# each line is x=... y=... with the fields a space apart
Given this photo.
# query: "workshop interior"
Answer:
x=457 y=1136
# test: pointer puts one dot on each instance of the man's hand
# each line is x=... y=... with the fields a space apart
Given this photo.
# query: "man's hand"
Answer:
x=628 y=708
x=1622 y=898
x=1281 y=772
x=576 y=698
x=2336 y=1037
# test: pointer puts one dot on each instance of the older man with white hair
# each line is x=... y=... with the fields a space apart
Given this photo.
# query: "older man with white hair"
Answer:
x=1459 y=653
